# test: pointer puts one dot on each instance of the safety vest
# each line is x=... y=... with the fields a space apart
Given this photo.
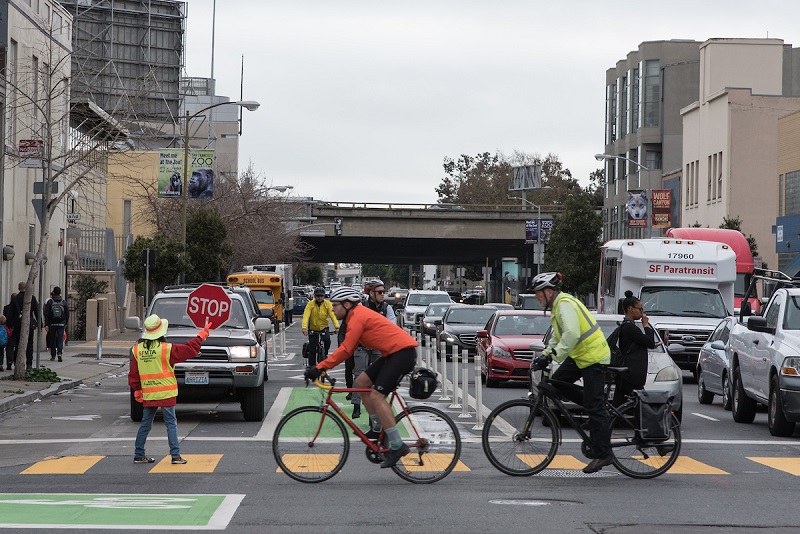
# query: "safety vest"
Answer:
x=592 y=346
x=155 y=372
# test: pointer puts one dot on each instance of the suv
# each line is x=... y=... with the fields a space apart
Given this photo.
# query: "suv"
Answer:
x=416 y=303
x=459 y=328
x=232 y=364
x=528 y=301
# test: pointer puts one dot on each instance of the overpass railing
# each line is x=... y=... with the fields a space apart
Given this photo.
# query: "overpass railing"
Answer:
x=435 y=206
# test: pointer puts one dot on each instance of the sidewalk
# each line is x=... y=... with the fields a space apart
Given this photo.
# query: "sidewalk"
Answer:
x=80 y=365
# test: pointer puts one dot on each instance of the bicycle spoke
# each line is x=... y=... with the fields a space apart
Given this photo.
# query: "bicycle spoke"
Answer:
x=434 y=442
x=310 y=447
x=638 y=458
x=514 y=449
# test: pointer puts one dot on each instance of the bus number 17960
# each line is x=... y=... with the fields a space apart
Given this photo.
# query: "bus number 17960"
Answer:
x=680 y=256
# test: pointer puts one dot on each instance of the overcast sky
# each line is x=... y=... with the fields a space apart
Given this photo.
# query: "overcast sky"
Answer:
x=362 y=100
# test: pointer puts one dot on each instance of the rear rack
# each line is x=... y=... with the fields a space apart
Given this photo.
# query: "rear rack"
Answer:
x=195 y=285
x=778 y=278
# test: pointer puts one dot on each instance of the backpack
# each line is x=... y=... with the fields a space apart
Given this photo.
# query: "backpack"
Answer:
x=3 y=336
x=57 y=311
x=617 y=356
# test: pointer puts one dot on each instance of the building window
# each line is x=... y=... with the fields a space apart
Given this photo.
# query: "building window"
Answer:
x=635 y=91
x=696 y=181
x=652 y=159
x=611 y=113
x=623 y=106
x=652 y=93
x=12 y=93
x=792 y=194
x=31 y=238
x=781 y=209
x=719 y=175
x=711 y=180
x=126 y=217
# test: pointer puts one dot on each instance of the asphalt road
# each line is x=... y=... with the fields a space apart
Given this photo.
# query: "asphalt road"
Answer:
x=731 y=477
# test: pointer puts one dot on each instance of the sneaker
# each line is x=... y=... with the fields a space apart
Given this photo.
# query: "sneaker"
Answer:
x=178 y=460
x=8 y=367
x=597 y=464
x=664 y=450
x=373 y=435
x=59 y=358
x=391 y=458
x=52 y=358
x=348 y=396
x=356 y=411
x=143 y=460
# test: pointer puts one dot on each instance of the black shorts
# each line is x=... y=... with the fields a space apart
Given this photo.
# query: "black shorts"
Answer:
x=386 y=372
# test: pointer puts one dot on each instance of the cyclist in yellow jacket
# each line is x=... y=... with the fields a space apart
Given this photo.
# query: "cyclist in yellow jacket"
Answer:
x=581 y=348
x=315 y=323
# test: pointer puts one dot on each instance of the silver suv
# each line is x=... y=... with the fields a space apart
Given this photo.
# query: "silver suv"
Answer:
x=416 y=304
x=232 y=364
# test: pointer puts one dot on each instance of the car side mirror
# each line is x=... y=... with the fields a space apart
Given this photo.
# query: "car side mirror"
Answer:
x=263 y=324
x=675 y=348
x=483 y=334
x=537 y=346
x=717 y=345
x=759 y=324
x=438 y=322
x=133 y=323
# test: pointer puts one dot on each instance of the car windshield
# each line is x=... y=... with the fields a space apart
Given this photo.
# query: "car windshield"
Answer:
x=173 y=309
x=521 y=325
x=692 y=302
x=477 y=316
x=264 y=296
x=436 y=310
x=529 y=302
x=421 y=299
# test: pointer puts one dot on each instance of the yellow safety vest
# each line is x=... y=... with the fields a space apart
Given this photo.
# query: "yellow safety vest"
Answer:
x=155 y=372
x=592 y=346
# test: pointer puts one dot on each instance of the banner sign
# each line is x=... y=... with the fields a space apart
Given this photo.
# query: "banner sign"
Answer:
x=662 y=203
x=637 y=209
x=170 y=173
x=525 y=178
x=538 y=230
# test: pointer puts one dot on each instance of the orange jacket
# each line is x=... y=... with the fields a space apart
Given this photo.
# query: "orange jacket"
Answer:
x=370 y=329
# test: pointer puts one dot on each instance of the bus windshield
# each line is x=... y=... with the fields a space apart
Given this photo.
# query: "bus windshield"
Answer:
x=694 y=302
x=264 y=296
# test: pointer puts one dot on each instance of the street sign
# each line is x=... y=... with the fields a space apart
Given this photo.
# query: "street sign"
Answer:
x=208 y=303
x=38 y=188
x=73 y=217
x=31 y=148
x=37 y=207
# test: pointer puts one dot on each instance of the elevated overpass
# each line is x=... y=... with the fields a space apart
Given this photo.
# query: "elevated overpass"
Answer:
x=430 y=234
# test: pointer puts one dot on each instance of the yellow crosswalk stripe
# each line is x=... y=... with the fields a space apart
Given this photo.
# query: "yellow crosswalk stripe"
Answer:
x=310 y=463
x=66 y=465
x=195 y=463
x=684 y=466
x=787 y=465
x=433 y=462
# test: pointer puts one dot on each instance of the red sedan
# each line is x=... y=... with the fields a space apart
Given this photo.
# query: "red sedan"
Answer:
x=505 y=346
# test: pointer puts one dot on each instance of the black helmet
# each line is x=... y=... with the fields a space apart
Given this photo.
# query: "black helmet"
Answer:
x=423 y=383
x=541 y=281
x=319 y=291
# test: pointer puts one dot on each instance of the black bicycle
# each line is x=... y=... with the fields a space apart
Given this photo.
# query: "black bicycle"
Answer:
x=318 y=349
x=521 y=436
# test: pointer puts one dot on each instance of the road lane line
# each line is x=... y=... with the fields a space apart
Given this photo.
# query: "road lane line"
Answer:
x=705 y=416
x=273 y=416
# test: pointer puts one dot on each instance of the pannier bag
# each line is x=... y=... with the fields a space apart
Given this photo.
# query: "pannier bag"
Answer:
x=423 y=383
x=655 y=414
x=305 y=350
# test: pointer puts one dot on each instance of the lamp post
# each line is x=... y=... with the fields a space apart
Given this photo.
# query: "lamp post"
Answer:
x=537 y=245
x=601 y=157
x=250 y=105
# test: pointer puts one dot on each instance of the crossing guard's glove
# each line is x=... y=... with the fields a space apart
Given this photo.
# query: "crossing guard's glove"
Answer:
x=204 y=333
x=137 y=395
x=312 y=373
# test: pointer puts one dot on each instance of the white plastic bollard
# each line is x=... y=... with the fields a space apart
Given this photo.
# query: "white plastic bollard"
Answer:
x=420 y=350
x=455 y=404
x=274 y=347
x=443 y=352
x=464 y=385
x=434 y=357
x=283 y=342
x=478 y=396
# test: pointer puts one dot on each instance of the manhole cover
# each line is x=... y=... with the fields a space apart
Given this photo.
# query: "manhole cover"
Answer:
x=532 y=502
x=574 y=473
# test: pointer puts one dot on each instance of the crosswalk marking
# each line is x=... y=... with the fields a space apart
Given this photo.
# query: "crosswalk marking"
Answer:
x=195 y=463
x=310 y=463
x=66 y=465
x=433 y=462
x=787 y=465
x=684 y=466
x=565 y=461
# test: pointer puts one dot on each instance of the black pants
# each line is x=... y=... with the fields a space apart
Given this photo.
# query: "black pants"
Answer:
x=313 y=339
x=634 y=378
x=11 y=349
x=592 y=399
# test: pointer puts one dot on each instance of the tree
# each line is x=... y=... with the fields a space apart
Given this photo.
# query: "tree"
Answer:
x=309 y=275
x=736 y=224
x=207 y=245
x=170 y=262
x=597 y=186
x=87 y=287
x=574 y=247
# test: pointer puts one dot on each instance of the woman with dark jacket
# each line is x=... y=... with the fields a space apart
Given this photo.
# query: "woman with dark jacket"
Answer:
x=633 y=343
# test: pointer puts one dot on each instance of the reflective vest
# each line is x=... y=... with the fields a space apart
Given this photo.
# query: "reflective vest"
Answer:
x=592 y=346
x=155 y=372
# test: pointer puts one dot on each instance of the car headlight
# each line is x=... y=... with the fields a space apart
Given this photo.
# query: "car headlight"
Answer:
x=243 y=353
x=667 y=374
x=428 y=325
x=449 y=338
x=500 y=353
x=791 y=366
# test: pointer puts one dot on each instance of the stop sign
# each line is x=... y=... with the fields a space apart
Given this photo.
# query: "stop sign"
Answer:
x=208 y=303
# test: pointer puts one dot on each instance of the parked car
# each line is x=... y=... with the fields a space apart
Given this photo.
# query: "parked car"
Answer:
x=713 y=365
x=300 y=304
x=459 y=328
x=527 y=301
x=504 y=347
x=232 y=364
x=663 y=374
x=416 y=303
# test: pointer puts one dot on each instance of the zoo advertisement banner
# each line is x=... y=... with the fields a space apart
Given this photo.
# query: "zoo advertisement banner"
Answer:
x=201 y=169
x=536 y=228
x=662 y=202
x=637 y=209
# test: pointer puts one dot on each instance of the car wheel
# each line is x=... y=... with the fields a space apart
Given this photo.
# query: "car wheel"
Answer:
x=679 y=414
x=492 y=383
x=252 y=402
x=137 y=410
x=742 y=406
x=703 y=395
x=726 y=392
x=778 y=425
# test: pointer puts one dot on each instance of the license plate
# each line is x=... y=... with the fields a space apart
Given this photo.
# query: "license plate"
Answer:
x=196 y=378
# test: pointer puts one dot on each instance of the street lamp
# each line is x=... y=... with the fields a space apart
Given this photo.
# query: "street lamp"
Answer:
x=279 y=188
x=538 y=230
x=249 y=105
x=68 y=261
x=601 y=157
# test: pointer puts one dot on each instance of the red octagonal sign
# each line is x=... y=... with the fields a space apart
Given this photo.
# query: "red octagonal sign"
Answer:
x=208 y=303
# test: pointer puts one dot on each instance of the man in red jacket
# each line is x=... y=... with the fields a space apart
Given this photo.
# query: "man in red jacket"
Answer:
x=152 y=378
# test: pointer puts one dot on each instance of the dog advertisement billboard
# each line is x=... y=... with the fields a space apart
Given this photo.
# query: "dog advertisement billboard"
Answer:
x=637 y=209
x=170 y=173
x=662 y=203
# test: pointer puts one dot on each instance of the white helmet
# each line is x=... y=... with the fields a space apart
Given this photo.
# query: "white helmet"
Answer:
x=541 y=281
x=345 y=293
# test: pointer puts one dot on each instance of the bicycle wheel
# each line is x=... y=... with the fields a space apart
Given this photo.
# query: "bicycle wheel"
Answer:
x=512 y=448
x=309 y=446
x=638 y=458
x=434 y=442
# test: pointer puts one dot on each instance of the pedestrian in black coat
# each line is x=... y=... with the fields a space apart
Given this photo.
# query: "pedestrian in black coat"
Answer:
x=634 y=344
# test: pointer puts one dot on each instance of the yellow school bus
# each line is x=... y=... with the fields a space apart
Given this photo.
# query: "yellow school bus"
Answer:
x=266 y=289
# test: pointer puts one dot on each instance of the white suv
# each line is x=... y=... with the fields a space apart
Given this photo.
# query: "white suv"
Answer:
x=416 y=304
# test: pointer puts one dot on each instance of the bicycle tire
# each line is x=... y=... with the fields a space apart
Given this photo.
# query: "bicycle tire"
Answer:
x=303 y=460
x=434 y=443
x=514 y=450
x=638 y=458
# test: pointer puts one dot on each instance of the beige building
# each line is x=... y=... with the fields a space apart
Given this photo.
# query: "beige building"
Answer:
x=787 y=238
x=730 y=149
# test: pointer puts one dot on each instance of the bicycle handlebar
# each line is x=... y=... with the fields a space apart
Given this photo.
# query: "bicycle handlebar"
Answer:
x=322 y=385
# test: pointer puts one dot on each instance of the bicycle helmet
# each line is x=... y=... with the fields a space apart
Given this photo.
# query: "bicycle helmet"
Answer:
x=345 y=293
x=319 y=291
x=372 y=284
x=544 y=280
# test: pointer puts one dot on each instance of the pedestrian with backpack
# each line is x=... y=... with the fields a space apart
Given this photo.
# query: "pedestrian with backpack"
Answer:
x=3 y=335
x=56 y=317
x=634 y=342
